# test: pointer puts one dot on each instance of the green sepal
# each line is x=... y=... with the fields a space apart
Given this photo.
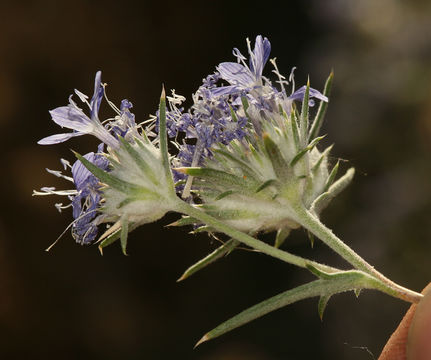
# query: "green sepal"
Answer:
x=163 y=139
x=219 y=177
x=324 y=155
x=357 y=292
x=304 y=113
x=112 y=181
x=281 y=167
x=185 y=220
x=324 y=199
x=246 y=169
x=266 y=184
x=221 y=251
x=124 y=233
x=228 y=214
x=318 y=120
x=224 y=194
x=137 y=158
x=295 y=129
x=281 y=236
x=311 y=238
x=321 y=306
x=331 y=176
x=203 y=228
x=245 y=104
x=109 y=240
x=300 y=154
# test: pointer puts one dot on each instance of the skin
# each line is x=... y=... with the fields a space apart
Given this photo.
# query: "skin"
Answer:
x=412 y=339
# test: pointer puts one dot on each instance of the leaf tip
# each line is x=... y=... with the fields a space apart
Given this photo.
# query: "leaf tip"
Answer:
x=163 y=94
x=204 y=339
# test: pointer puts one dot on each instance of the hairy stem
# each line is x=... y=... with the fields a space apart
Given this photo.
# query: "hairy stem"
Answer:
x=313 y=224
x=256 y=244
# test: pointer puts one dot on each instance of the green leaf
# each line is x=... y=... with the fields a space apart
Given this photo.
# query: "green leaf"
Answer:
x=323 y=301
x=185 y=220
x=331 y=176
x=318 y=120
x=265 y=185
x=279 y=164
x=305 y=150
x=337 y=283
x=311 y=238
x=295 y=129
x=219 y=177
x=304 y=113
x=163 y=140
x=246 y=169
x=137 y=158
x=281 y=236
x=112 y=181
x=337 y=187
x=324 y=154
x=221 y=251
x=223 y=195
x=245 y=104
x=109 y=240
x=124 y=233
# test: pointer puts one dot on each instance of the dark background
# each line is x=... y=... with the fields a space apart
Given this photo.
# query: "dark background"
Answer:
x=73 y=303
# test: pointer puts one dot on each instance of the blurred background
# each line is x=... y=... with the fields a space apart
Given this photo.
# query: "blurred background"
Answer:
x=73 y=303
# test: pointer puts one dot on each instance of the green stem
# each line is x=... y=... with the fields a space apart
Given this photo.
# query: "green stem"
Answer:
x=256 y=244
x=313 y=224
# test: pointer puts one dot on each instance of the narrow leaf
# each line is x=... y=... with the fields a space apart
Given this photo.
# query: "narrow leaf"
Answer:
x=295 y=129
x=311 y=238
x=221 y=251
x=107 y=178
x=223 y=195
x=222 y=178
x=281 y=236
x=281 y=167
x=246 y=169
x=337 y=187
x=304 y=113
x=185 y=220
x=124 y=233
x=266 y=184
x=318 y=120
x=305 y=150
x=332 y=176
x=323 y=301
x=137 y=158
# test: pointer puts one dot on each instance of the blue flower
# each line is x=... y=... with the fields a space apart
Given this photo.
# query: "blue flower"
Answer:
x=86 y=202
x=72 y=117
x=241 y=76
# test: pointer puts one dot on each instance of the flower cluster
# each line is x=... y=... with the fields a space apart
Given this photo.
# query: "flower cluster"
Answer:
x=244 y=152
x=246 y=162
x=120 y=185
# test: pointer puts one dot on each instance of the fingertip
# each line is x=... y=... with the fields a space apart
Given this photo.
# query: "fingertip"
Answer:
x=419 y=337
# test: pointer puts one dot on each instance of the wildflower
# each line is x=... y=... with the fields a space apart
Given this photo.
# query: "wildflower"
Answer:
x=72 y=117
x=257 y=179
x=84 y=199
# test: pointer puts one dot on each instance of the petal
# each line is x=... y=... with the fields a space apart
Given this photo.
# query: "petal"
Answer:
x=235 y=74
x=58 y=138
x=72 y=118
x=299 y=94
x=224 y=90
x=97 y=95
x=260 y=55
